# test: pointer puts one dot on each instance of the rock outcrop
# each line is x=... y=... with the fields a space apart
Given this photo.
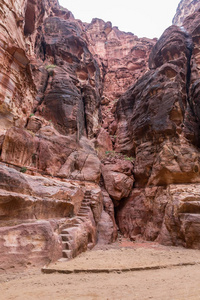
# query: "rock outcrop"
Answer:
x=122 y=58
x=50 y=87
x=185 y=9
x=158 y=123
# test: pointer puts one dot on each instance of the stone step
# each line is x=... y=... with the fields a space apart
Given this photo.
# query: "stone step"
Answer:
x=68 y=226
x=85 y=204
x=67 y=245
x=82 y=215
x=81 y=218
x=62 y=259
x=66 y=233
x=84 y=209
x=70 y=230
x=87 y=193
x=66 y=237
x=67 y=253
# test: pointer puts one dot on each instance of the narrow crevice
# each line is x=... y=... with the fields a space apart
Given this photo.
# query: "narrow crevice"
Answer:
x=104 y=72
x=189 y=44
x=43 y=49
x=43 y=92
x=84 y=113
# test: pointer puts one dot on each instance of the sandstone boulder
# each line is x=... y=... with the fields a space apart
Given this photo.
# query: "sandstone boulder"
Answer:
x=81 y=165
x=106 y=229
x=103 y=143
x=140 y=216
x=182 y=219
x=27 y=244
x=118 y=179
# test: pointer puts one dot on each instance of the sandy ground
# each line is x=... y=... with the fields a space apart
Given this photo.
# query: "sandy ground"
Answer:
x=125 y=271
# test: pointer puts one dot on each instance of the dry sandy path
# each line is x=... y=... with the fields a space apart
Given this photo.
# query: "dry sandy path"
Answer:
x=170 y=282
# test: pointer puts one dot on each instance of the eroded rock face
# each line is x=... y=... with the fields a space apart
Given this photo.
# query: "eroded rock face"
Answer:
x=152 y=111
x=107 y=228
x=35 y=209
x=29 y=244
x=181 y=221
x=185 y=8
x=70 y=78
x=49 y=152
x=169 y=215
x=141 y=215
x=16 y=86
x=123 y=59
x=60 y=81
x=158 y=124
x=118 y=179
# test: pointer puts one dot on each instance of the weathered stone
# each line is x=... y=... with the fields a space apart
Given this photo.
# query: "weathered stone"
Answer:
x=35 y=194
x=181 y=220
x=61 y=83
x=118 y=179
x=140 y=216
x=109 y=209
x=29 y=244
x=169 y=215
x=103 y=143
x=106 y=229
x=122 y=58
x=158 y=123
x=152 y=111
x=185 y=9
x=68 y=94
x=81 y=165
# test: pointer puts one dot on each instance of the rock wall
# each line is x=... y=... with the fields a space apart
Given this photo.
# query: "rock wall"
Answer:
x=158 y=124
x=16 y=86
x=122 y=58
x=97 y=126
x=50 y=88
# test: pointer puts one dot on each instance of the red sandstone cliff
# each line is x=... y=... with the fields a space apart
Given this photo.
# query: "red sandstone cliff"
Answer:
x=94 y=120
x=158 y=123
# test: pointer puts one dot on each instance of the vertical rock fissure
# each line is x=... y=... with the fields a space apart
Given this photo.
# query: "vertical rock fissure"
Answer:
x=85 y=116
x=188 y=76
x=43 y=92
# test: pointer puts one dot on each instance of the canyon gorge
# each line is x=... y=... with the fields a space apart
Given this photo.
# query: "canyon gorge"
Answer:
x=99 y=133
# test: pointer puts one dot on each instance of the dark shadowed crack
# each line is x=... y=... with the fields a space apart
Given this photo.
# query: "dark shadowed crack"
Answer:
x=189 y=45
